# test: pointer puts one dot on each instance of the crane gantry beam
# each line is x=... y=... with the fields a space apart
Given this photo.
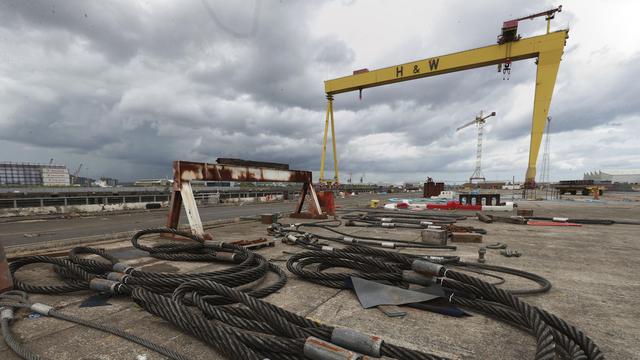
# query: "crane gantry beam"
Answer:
x=547 y=48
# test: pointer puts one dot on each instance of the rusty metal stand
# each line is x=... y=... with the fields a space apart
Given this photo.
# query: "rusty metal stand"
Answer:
x=238 y=170
x=6 y=281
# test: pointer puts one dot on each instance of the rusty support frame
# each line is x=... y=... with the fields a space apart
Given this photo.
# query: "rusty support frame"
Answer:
x=186 y=171
x=6 y=281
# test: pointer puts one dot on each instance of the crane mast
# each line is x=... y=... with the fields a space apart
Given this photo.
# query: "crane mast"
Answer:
x=479 y=121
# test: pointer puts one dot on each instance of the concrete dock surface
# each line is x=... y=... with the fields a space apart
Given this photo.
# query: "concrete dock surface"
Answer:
x=594 y=269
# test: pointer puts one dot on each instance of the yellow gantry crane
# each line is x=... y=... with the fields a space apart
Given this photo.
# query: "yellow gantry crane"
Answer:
x=547 y=49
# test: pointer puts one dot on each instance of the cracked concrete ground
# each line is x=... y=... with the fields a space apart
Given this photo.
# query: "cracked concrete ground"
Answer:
x=594 y=270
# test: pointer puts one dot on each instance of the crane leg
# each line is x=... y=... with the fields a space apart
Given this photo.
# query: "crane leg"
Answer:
x=324 y=139
x=548 y=64
x=333 y=141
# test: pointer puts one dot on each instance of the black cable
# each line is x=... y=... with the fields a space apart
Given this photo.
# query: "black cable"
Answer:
x=553 y=334
x=406 y=213
x=12 y=300
x=206 y=304
x=346 y=238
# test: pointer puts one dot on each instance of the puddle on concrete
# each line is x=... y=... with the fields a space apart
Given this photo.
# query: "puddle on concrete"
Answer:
x=160 y=268
x=128 y=253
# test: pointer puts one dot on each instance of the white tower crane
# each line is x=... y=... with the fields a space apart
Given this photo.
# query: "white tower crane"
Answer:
x=479 y=121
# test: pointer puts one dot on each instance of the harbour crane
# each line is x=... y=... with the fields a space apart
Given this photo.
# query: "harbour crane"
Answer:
x=547 y=49
x=479 y=121
x=75 y=173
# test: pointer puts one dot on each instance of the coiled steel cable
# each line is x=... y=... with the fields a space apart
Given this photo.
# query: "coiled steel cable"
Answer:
x=18 y=299
x=200 y=303
x=553 y=334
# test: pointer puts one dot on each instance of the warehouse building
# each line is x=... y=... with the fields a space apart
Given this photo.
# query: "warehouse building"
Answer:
x=614 y=176
x=23 y=174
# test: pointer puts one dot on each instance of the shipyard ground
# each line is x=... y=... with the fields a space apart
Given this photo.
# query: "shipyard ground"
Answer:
x=594 y=270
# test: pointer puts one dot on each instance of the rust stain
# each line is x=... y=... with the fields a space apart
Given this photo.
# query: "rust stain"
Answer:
x=327 y=345
x=186 y=170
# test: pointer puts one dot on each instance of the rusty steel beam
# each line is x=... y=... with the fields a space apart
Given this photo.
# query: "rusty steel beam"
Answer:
x=6 y=282
x=244 y=171
x=188 y=171
x=262 y=164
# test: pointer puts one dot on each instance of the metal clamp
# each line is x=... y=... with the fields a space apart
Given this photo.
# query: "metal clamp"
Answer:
x=103 y=285
x=117 y=276
x=216 y=244
x=317 y=349
x=413 y=277
x=122 y=267
x=357 y=341
x=426 y=267
x=6 y=314
x=225 y=256
x=42 y=309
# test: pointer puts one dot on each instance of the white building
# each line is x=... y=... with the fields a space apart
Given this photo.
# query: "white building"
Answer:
x=55 y=176
x=23 y=174
x=615 y=176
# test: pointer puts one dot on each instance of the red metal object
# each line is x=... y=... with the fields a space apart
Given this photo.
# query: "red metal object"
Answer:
x=432 y=188
x=6 y=281
x=454 y=205
x=510 y=27
x=327 y=202
x=550 y=223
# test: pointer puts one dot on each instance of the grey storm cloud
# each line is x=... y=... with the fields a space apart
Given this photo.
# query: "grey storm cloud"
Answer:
x=130 y=86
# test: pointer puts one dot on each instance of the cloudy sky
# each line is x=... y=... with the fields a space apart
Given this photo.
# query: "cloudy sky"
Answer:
x=125 y=87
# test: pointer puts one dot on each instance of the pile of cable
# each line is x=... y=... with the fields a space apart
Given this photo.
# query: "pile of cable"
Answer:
x=553 y=335
x=221 y=307
x=408 y=222
x=259 y=330
x=409 y=214
x=110 y=275
x=385 y=222
x=293 y=234
x=13 y=300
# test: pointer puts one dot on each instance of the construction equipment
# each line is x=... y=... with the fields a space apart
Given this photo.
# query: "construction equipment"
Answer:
x=77 y=172
x=510 y=27
x=479 y=121
x=582 y=187
x=547 y=49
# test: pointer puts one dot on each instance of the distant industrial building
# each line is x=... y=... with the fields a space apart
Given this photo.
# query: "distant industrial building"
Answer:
x=153 y=182
x=614 y=176
x=106 y=182
x=81 y=180
x=24 y=174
